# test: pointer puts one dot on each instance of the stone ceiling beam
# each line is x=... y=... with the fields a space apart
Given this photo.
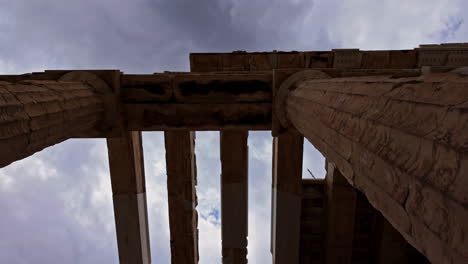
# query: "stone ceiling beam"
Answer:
x=198 y=117
x=198 y=101
x=213 y=88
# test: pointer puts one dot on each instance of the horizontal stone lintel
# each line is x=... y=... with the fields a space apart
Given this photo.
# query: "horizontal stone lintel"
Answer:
x=161 y=117
x=447 y=55
x=199 y=100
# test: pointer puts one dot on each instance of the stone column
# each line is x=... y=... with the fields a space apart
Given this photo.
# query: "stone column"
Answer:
x=286 y=197
x=127 y=173
x=36 y=114
x=402 y=141
x=234 y=195
x=182 y=196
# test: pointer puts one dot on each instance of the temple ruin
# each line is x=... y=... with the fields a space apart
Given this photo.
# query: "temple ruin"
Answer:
x=392 y=125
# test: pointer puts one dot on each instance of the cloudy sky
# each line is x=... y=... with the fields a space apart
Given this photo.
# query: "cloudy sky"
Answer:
x=56 y=206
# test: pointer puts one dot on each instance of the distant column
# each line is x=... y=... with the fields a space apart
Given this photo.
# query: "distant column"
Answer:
x=182 y=196
x=234 y=196
x=341 y=207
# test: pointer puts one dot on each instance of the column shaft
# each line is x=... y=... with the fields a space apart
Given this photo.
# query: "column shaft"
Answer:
x=182 y=196
x=286 y=197
x=403 y=143
x=341 y=208
x=38 y=114
x=129 y=194
x=234 y=196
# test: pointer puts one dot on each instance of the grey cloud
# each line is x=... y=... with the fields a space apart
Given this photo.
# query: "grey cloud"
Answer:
x=46 y=206
x=141 y=36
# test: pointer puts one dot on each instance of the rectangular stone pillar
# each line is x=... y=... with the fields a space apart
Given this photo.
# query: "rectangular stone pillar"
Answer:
x=287 y=190
x=128 y=188
x=234 y=196
x=341 y=204
x=181 y=182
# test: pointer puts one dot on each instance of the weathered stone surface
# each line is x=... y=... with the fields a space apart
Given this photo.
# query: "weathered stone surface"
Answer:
x=243 y=61
x=223 y=88
x=147 y=117
x=451 y=55
x=128 y=187
x=233 y=87
x=182 y=197
x=38 y=114
x=402 y=142
x=347 y=58
x=318 y=59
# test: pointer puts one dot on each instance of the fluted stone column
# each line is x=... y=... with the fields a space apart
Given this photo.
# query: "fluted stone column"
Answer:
x=36 y=114
x=403 y=142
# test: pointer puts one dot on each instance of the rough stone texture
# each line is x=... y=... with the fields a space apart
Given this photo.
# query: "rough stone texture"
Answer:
x=337 y=58
x=255 y=61
x=198 y=101
x=197 y=88
x=234 y=196
x=157 y=117
x=37 y=114
x=450 y=54
x=403 y=143
x=181 y=182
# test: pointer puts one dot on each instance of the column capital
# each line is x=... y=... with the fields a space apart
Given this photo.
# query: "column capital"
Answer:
x=288 y=85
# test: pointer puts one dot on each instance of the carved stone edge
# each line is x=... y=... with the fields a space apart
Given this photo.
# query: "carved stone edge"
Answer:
x=290 y=84
x=113 y=120
x=99 y=85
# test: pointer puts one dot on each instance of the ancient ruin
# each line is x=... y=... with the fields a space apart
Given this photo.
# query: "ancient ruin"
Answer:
x=392 y=125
